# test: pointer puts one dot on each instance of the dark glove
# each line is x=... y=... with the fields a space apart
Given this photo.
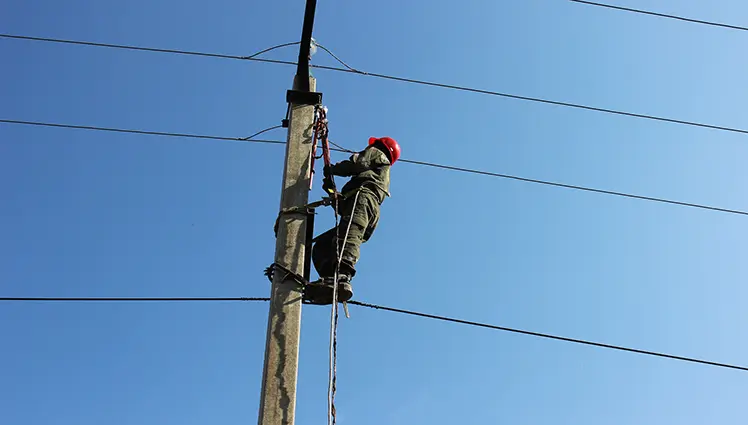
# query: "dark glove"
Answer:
x=327 y=171
x=328 y=184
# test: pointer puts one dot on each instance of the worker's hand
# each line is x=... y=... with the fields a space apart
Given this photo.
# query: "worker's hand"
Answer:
x=327 y=170
x=328 y=184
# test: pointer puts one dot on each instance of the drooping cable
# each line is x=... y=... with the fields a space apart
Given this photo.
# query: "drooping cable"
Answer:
x=132 y=299
x=393 y=310
x=548 y=336
x=405 y=80
x=661 y=15
x=145 y=132
x=408 y=161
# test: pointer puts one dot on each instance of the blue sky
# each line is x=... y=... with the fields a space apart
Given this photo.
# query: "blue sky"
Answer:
x=99 y=214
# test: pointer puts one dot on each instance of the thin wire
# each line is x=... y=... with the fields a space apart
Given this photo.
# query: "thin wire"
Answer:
x=409 y=161
x=549 y=336
x=394 y=310
x=331 y=415
x=335 y=313
x=662 y=15
x=151 y=133
x=563 y=185
x=538 y=100
x=133 y=299
x=339 y=60
x=405 y=80
x=526 y=98
x=575 y=187
x=147 y=49
x=271 y=48
x=260 y=132
x=340 y=148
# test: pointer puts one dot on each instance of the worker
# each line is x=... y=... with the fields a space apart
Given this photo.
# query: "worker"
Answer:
x=369 y=171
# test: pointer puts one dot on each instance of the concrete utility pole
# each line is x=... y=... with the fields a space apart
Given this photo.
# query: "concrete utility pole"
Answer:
x=280 y=371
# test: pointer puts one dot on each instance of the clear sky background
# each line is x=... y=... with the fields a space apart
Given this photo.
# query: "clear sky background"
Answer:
x=99 y=214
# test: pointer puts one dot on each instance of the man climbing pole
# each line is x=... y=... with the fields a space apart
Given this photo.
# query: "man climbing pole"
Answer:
x=358 y=206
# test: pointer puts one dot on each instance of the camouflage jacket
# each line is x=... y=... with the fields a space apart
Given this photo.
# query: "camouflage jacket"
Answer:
x=369 y=168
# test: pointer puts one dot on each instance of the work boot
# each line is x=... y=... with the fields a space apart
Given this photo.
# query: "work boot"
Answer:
x=320 y=291
x=345 y=290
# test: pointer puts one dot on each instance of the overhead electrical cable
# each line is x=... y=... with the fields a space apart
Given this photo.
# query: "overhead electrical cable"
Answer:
x=392 y=310
x=131 y=299
x=146 y=132
x=401 y=79
x=547 y=336
x=661 y=15
x=408 y=161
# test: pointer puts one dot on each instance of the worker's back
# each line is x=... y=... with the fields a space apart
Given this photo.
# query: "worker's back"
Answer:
x=374 y=173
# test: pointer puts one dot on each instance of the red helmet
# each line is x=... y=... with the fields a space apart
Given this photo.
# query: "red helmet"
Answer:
x=390 y=144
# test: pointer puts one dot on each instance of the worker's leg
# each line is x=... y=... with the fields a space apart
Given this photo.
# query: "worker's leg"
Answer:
x=325 y=261
x=351 y=246
x=363 y=218
x=323 y=258
x=363 y=221
x=323 y=253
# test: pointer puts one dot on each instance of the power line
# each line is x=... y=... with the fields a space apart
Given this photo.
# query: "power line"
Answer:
x=153 y=49
x=329 y=52
x=248 y=138
x=555 y=184
x=151 y=133
x=340 y=148
x=409 y=161
x=402 y=79
x=293 y=43
x=384 y=308
x=538 y=100
x=575 y=187
x=133 y=299
x=662 y=15
x=548 y=336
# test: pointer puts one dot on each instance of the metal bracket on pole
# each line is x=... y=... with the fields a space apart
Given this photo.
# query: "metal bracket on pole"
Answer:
x=298 y=97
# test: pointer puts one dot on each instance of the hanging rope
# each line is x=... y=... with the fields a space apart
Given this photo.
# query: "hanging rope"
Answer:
x=321 y=132
x=333 y=372
x=334 y=316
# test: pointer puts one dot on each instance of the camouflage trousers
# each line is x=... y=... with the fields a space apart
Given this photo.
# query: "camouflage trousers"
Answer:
x=363 y=221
